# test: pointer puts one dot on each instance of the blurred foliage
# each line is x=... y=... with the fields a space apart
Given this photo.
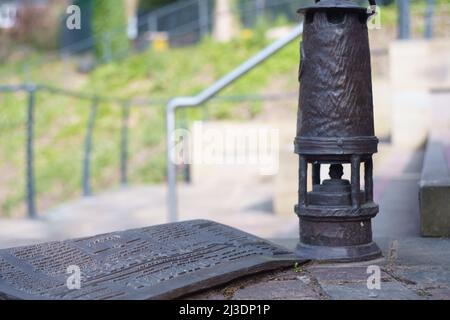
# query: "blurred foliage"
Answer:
x=109 y=27
x=36 y=25
x=148 y=5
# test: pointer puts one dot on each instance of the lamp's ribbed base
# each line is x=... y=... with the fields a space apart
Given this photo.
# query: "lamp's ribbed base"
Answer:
x=356 y=253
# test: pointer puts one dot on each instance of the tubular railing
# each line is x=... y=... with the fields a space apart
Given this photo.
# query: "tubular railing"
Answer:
x=204 y=96
x=29 y=151
x=32 y=90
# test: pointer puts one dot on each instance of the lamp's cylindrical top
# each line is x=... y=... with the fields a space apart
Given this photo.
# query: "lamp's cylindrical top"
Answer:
x=335 y=75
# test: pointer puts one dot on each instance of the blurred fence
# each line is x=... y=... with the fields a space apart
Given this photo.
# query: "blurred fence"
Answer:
x=186 y=22
x=34 y=112
x=40 y=156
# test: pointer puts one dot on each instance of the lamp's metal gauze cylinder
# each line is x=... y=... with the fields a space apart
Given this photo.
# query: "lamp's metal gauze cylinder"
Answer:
x=335 y=126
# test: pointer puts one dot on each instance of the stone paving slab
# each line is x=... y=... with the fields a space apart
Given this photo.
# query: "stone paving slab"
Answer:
x=425 y=277
x=440 y=293
x=341 y=275
x=418 y=251
x=330 y=283
x=286 y=284
x=359 y=291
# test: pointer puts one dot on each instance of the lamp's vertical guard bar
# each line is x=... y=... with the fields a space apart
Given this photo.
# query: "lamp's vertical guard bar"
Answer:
x=368 y=179
x=302 y=188
x=86 y=179
x=124 y=143
x=30 y=181
x=356 y=181
x=316 y=173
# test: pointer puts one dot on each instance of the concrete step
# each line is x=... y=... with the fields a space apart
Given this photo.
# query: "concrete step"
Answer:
x=435 y=186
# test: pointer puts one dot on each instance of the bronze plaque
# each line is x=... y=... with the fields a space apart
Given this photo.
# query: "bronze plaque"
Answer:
x=159 y=262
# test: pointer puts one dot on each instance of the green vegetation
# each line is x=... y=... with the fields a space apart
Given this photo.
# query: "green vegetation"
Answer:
x=147 y=5
x=108 y=20
x=61 y=120
x=298 y=268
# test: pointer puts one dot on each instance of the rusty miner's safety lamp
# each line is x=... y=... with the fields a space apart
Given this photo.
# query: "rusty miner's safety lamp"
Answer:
x=335 y=127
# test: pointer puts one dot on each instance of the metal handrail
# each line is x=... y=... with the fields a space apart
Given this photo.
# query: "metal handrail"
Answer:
x=202 y=97
x=32 y=89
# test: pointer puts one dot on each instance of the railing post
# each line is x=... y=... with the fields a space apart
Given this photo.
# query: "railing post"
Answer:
x=152 y=22
x=107 y=47
x=403 y=20
x=203 y=17
x=171 y=169
x=30 y=182
x=124 y=144
x=185 y=167
x=260 y=6
x=429 y=19
x=86 y=179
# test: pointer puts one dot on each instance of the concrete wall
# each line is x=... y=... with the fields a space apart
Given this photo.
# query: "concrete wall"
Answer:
x=417 y=67
x=237 y=148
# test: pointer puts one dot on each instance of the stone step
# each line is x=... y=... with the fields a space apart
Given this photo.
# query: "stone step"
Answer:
x=435 y=186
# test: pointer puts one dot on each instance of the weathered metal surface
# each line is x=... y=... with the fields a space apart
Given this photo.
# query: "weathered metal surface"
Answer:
x=335 y=78
x=335 y=126
x=158 y=262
